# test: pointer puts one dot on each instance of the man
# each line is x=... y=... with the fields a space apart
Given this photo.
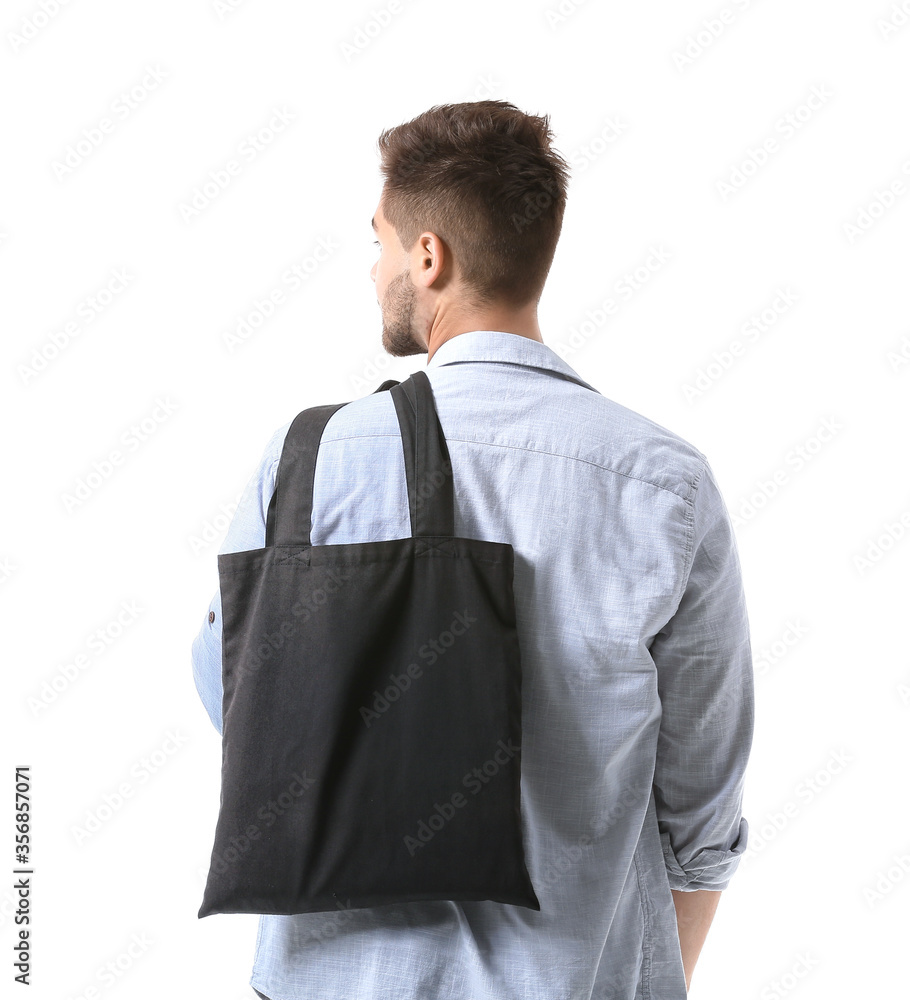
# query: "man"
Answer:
x=637 y=696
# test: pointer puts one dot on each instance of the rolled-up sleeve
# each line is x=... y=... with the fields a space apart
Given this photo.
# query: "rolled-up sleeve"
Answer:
x=703 y=658
x=246 y=531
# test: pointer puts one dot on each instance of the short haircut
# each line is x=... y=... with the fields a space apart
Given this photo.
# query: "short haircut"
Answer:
x=483 y=177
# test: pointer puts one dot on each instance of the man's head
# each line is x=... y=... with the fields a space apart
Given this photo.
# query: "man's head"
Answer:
x=468 y=220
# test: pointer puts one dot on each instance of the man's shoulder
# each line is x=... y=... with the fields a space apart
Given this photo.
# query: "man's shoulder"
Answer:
x=646 y=429
x=366 y=415
x=625 y=442
x=591 y=427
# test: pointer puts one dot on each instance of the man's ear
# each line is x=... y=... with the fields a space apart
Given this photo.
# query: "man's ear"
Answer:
x=433 y=267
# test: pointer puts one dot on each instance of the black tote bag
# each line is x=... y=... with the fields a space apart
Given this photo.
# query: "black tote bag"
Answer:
x=371 y=745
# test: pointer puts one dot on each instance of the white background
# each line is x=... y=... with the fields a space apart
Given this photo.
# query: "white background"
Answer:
x=653 y=135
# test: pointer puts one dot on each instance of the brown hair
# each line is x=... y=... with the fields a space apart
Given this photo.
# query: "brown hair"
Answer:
x=483 y=177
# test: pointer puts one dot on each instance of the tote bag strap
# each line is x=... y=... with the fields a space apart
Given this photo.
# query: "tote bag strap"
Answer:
x=431 y=496
x=291 y=506
x=288 y=520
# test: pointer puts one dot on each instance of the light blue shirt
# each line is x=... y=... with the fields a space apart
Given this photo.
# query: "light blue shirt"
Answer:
x=637 y=691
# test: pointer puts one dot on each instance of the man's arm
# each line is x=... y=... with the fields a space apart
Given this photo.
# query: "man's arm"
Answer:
x=247 y=531
x=694 y=913
x=703 y=658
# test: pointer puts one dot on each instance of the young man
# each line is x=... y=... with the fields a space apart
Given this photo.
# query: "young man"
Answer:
x=637 y=696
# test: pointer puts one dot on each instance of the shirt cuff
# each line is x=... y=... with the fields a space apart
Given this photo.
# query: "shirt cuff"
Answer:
x=708 y=869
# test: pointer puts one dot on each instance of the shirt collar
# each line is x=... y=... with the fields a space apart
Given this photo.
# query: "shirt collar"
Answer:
x=508 y=348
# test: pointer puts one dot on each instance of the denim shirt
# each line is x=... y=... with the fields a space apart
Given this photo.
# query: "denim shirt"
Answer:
x=637 y=690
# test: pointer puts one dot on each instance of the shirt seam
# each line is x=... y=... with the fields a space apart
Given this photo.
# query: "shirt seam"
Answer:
x=647 y=930
x=689 y=557
x=535 y=451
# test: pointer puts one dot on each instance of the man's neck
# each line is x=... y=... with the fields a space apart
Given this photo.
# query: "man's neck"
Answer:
x=523 y=323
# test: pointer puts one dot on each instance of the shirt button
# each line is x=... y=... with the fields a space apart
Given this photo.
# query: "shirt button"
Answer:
x=211 y=617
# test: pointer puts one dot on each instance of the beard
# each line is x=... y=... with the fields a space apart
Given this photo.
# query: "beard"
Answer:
x=398 y=335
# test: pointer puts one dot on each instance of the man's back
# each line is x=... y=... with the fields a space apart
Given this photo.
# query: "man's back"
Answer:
x=636 y=672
